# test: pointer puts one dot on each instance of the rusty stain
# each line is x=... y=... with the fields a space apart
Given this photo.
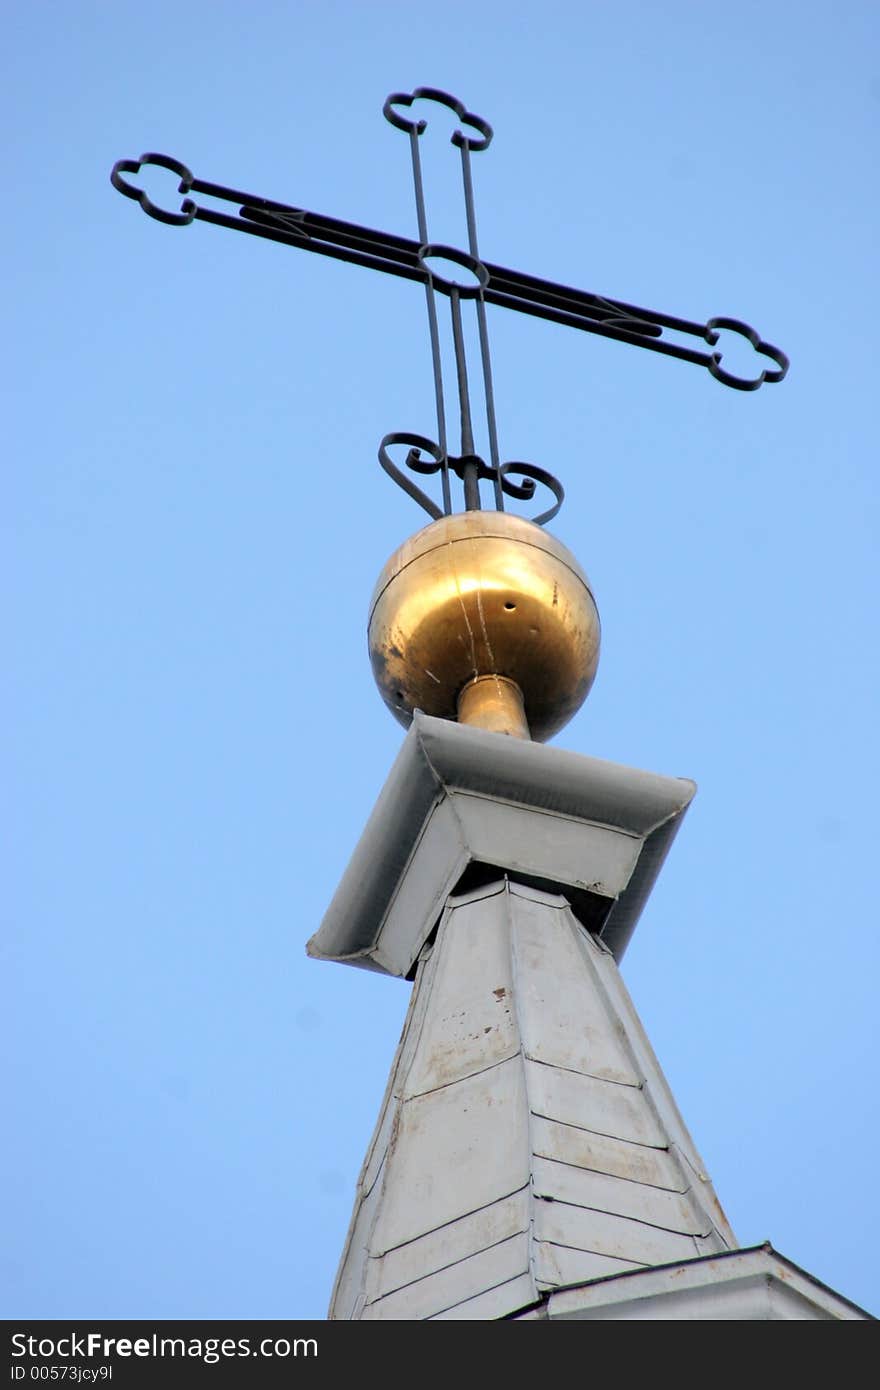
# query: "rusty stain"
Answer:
x=394 y=1134
x=555 y=594
x=499 y=993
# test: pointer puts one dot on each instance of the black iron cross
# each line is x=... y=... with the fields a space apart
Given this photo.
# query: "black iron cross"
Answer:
x=489 y=284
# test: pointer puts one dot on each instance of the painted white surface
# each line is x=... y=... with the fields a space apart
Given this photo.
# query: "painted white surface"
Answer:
x=528 y=1138
x=754 y=1285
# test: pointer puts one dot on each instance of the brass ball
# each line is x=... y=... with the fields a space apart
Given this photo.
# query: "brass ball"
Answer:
x=484 y=593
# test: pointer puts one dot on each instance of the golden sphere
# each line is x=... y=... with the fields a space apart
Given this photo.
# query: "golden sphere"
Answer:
x=478 y=594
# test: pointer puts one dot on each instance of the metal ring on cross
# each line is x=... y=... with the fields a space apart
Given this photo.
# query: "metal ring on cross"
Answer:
x=449 y=253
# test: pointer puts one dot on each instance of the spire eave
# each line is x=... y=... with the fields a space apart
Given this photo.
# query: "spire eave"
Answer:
x=459 y=801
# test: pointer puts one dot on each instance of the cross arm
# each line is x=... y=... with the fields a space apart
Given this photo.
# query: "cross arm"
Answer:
x=402 y=256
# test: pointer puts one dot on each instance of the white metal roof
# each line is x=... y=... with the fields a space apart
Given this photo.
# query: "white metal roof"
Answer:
x=528 y=1139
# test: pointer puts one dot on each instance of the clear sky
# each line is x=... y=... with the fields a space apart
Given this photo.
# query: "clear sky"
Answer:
x=193 y=737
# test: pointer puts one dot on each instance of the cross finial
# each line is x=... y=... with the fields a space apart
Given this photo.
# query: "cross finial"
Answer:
x=490 y=284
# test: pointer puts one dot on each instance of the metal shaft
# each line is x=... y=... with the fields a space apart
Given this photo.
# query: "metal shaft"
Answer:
x=494 y=703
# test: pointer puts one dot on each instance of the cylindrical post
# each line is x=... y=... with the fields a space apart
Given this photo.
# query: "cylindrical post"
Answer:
x=494 y=703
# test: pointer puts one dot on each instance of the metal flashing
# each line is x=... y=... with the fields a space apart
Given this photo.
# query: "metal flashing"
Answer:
x=458 y=798
x=755 y=1284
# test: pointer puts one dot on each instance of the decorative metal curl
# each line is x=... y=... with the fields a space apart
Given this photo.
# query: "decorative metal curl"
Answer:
x=188 y=208
x=461 y=466
x=444 y=99
x=533 y=475
x=415 y=461
x=740 y=383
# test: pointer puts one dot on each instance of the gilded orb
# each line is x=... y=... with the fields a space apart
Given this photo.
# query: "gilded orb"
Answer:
x=486 y=618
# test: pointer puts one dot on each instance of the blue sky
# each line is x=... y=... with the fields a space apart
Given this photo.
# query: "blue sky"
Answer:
x=193 y=738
